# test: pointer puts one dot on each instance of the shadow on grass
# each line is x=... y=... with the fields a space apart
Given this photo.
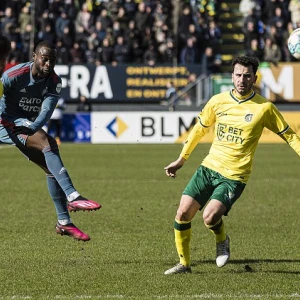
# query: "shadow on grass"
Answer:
x=248 y=261
x=254 y=265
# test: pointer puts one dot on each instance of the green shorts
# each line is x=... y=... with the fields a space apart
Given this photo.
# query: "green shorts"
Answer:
x=207 y=184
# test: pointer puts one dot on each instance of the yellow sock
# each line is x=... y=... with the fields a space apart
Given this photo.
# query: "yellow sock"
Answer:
x=218 y=230
x=182 y=230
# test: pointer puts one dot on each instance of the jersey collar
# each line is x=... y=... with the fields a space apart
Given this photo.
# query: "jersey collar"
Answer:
x=241 y=99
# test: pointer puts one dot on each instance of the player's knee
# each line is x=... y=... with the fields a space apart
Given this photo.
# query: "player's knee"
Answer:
x=210 y=218
x=46 y=141
x=182 y=215
x=41 y=135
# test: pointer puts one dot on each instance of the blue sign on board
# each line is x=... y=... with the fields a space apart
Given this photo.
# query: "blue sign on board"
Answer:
x=76 y=128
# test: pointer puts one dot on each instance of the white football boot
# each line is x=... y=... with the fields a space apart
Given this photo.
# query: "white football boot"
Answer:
x=223 y=252
x=178 y=269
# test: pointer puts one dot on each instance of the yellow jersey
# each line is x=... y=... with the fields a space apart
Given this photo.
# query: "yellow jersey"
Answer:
x=239 y=123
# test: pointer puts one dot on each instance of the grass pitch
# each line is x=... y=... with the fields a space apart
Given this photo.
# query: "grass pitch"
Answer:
x=132 y=241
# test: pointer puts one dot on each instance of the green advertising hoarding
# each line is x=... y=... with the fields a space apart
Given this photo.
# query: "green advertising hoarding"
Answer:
x=221 y=83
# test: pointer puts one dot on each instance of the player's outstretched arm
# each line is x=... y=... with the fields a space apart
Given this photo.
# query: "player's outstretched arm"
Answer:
x=192 y=141
x=172 y=168
x=292 y=139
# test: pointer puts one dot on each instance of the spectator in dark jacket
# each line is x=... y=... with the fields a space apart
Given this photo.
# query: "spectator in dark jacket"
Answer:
x=272 y=52
x=84 y=105
x=43 y=20
x=122 y=18
x=168 y=52
x=213 y=35
x=141 y=17
x=210 y=62
x=8 y=21
x=251 y=33
x=121 y=51
x=15 y=57
x=189 y=54
x=104 y=19
x=98 y=33
x=255 y=50
x=131 y=33
x=61 y=22
x=67 y=37
x=113 y=8
x=137 y=52
x=185 y=19
x=106 y=52
x=150 y=56
x=130 y=7
x=63 y=53
x=25 y=38
x=47 y=35
x=77 y=54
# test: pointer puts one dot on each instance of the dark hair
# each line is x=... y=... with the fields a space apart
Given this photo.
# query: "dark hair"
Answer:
x=5 y=46
x=246 y=61
x=45 y=44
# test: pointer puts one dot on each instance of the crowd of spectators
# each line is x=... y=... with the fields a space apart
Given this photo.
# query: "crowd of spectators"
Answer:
x=115 y=31
x=267 y=25
x=145 y=31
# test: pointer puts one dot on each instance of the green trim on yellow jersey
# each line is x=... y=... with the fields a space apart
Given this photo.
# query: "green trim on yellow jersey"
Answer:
x=243 y=98
x=284 y=130
x=202 y=123
x=238 y=124
x=290 y=137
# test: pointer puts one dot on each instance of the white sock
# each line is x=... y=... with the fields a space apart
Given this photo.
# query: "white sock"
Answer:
x=73 y=196
x=65 y=221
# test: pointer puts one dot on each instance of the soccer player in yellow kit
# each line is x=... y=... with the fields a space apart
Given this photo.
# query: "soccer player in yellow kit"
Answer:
x=239 y=115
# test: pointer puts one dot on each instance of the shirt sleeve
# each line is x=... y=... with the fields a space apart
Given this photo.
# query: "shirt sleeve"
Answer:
x=6 y=82
x=193 y=139
x=290 y=137
x=276 y=123
x=45 y=114
x=274 y=120
x=49 y=103
x=206 y=118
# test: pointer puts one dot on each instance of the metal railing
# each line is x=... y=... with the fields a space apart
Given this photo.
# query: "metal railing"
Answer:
x=194 y=95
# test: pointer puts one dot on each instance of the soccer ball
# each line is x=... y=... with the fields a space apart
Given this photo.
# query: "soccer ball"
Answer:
x=294 y=43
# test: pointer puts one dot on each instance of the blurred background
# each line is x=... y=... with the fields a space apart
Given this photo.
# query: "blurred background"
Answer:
x=163 y=57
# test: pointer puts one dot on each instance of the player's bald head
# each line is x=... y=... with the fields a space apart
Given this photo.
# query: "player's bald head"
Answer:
x=44 y=59
x=45 y=46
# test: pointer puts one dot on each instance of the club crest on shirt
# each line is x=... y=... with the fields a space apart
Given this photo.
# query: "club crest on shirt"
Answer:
x=221 y=131
x=248 y=117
